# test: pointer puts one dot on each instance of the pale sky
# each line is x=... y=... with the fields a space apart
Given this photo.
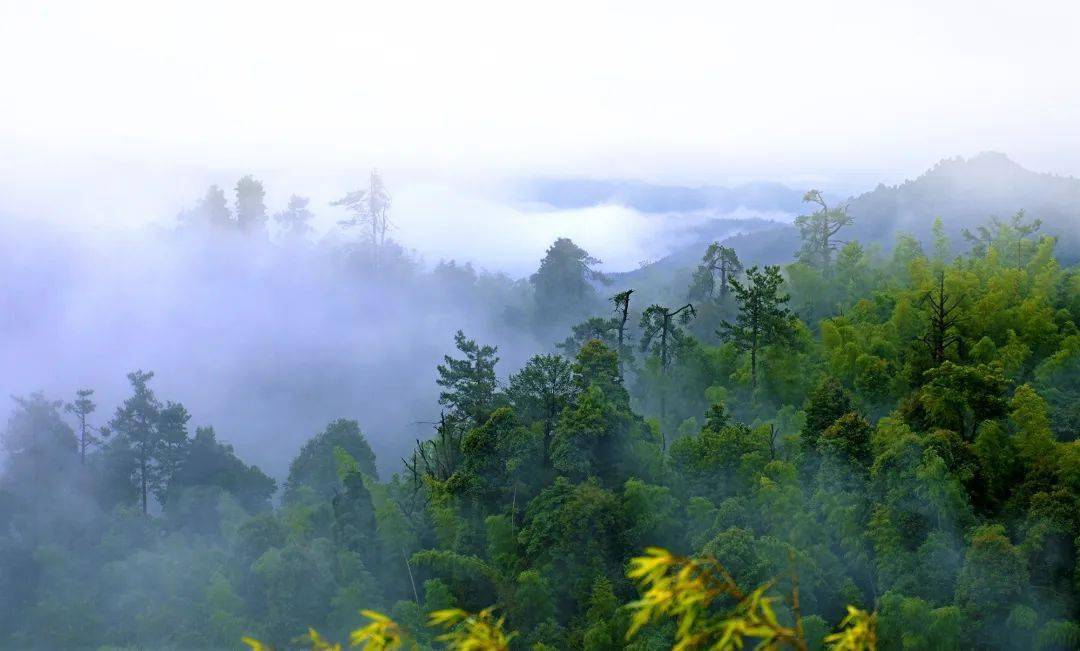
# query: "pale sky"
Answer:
x=660 y=88
x=688 y=92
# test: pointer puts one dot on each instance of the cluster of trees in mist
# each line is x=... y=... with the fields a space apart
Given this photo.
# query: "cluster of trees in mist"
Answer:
x=856 y=448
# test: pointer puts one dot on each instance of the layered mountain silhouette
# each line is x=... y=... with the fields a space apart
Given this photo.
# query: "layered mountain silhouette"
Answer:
x=965 y=193
x=761 y=196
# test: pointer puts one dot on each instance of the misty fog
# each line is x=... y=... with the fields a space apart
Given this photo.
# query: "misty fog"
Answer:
x=488 y=326
x=268 y=339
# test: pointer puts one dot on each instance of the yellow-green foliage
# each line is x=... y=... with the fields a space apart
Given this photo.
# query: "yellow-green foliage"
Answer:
x=711 y=611
x=469 y=632
x=857 y=631
x=379 y=634
x=693 y=591
x=465 y=632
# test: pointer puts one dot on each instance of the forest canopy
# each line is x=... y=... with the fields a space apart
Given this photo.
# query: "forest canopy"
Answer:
x=863 y=446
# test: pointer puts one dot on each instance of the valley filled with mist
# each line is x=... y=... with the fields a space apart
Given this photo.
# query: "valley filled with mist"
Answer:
x=249 y=419
x=496 y=326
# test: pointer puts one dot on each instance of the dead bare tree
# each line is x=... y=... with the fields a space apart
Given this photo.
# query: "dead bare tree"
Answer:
x=436 y=458
x=82 y=407
x=370 y=208
x=622 y=308
x=943 y=319
x=659 y=322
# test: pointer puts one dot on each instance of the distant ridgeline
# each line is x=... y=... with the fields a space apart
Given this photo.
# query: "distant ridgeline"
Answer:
x=651 y=198
x=963 y=193
x=851 y=451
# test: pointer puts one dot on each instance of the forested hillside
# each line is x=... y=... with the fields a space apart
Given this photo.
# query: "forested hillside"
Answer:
x=964 y=193
x=852 y=446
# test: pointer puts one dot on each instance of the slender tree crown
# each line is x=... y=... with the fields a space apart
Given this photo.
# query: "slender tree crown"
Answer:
x=295 y=220
x=818 y=231
x=369 y=210
x=469 y=382
x=565 y=280
x=763 y=319
x=720 y=263
x=250 y=205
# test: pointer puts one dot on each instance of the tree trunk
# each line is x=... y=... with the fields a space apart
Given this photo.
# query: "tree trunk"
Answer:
x=753 y=362
x=82 y=439
x=142 y=478
x=547 y=442
x=825 y=243
x=663 y=345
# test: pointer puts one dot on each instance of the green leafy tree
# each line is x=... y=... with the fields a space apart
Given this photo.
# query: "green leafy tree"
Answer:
x=582 y=439
x=172 y=446
x=211 y=211
x=40 y=447
x=316 y=466
x=993 y=577
x=829 y=401
x=1004 y=236
x=82 y=407
x=1058 y=380
x=718 y=260
x=717 y=463
x=818 y=231
x=295 y=220
x=848 y=437
x=959 y=398
x=660 y=332
x=250 y=205
x=1034 y=439
x=763 y=318
x=564 y=283
x=137 y=424
x=492 y=453
x=469 y=383
x=354 y=518
x=601 y=329
x=597 y=365
x=540 y=392
x=209 y=463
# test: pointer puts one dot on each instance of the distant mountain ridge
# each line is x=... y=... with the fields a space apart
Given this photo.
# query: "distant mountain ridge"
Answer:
x=763 y=196
x=965 y=193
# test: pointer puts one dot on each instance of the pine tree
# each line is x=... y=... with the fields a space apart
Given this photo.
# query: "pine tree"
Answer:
x=818 y=230
x=720 y=260
x=469 y=383
x=295 y=220
x=136 y=424
x=542 y=390
x=563 y=284
x=213 y=210
x=943 y=315
x=824 y=406
x=250 y=205
x=173 y=444
x=370 y=208
x=660 y=332
x=763 y=318
x=82 y=407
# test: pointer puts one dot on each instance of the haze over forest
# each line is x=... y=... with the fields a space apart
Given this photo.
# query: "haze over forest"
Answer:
x=269 y=343
x=619 y=326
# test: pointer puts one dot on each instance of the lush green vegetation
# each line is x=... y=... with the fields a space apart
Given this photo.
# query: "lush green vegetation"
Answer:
x=890 y=432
